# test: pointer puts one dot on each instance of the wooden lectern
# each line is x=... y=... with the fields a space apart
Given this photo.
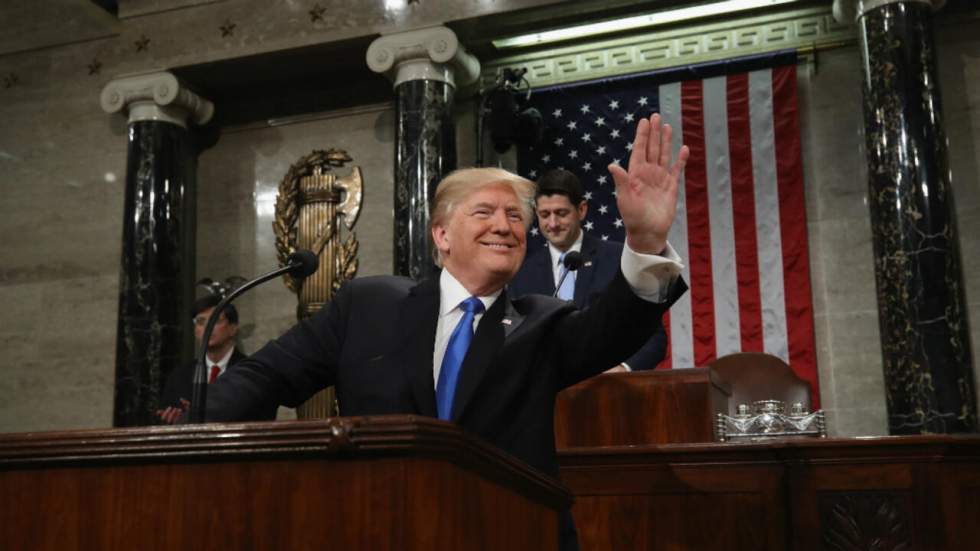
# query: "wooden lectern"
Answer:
x=393 y=482
x=636 y=450
x=646 y=407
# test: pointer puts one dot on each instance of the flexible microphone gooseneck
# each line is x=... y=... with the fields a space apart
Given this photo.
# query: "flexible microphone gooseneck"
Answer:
x=573 y=261
x=299 y=265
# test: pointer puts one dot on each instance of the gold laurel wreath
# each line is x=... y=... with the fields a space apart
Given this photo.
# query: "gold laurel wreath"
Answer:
x=287 y=212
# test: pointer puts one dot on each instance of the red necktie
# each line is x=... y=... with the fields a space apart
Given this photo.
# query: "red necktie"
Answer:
x=214 y=373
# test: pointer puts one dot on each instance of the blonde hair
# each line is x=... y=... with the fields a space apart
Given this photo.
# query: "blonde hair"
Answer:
x=460 y=184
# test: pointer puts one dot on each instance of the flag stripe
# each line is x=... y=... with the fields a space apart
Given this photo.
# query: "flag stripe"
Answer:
x=743 y=213
x=767 y=215
x=698 y=221
x=796 y=266
x=681 y=349
x=727 y=334
x=740 y=226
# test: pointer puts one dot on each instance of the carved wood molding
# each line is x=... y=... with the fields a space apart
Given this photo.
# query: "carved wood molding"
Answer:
x=859 y=521
x=337 y=438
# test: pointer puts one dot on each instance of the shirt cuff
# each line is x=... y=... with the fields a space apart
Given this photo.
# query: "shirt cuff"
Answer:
x=650 y=275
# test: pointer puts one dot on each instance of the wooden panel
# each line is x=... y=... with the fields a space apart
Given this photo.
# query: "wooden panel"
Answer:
x=890 y=493
x=853 y=521
x=387 y=504
x=370 y=483
x=641 y=501
x=647 y=407
x=960 y=513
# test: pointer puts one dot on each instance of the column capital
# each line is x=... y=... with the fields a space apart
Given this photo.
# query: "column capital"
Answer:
x=156 y=96
x=433 y=53
x=849 y=11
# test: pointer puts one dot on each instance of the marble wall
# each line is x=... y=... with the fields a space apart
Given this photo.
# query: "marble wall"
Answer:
x=841 y=259
x=958 y=50
x=62 y=164
x=62 y=176
x=842 y=270
x=237 y=185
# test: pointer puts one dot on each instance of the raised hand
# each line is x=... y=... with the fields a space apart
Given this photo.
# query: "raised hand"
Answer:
x=647 y=193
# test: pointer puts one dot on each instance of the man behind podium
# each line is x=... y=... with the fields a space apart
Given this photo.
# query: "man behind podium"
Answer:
x=456 y=346
x=222 y=353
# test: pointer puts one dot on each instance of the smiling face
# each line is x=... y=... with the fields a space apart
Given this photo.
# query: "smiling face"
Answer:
x=559 y=219
x=483 y=241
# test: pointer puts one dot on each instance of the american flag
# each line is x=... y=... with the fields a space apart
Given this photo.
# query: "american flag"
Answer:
x=741 y=224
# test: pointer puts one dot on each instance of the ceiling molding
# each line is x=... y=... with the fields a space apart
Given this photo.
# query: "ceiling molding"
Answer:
x=805 y=29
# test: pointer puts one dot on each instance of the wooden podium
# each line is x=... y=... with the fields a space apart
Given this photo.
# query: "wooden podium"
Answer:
x=636 y=450
x=394 y=482
x=646 y=407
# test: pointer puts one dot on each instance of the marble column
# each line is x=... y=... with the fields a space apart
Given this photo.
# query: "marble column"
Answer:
x=156 y=282
x=425 y=66
x=921 y=306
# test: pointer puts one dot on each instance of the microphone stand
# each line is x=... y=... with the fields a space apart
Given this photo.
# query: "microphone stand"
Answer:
x=562 y=280
x=200 y=382
x=573 y=261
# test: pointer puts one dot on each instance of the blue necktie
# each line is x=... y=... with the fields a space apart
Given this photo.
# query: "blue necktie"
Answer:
x=567 y=289
x=459 y=342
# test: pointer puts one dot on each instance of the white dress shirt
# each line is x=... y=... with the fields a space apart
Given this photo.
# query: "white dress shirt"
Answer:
x=451 y=295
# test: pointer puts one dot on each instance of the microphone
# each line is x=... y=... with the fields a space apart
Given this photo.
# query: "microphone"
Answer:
x=573 y=261
x=302 y=263
x=299 y=265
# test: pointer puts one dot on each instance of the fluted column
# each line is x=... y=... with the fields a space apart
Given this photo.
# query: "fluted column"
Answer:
x=921 y=307
x=157 y=272
x=425 y=66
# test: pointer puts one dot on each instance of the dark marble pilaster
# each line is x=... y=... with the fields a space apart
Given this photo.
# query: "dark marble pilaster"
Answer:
x=921 y=306
x=425 y=151
x=425 y=66
x=157 y=277
x=157 y=269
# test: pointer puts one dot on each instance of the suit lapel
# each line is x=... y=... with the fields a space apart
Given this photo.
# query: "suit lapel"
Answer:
x=419 y=314
x=511 y=319
x=487 y=341
x=543 y=274
x=236 y=356
x=583 y=279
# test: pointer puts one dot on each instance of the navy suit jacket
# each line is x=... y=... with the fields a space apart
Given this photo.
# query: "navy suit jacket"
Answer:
x=375 y=341
x=601 y=264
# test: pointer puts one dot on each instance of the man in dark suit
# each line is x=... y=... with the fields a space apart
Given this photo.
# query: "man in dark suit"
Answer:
x=223 y=353
x=457 y=347
x=561 y=207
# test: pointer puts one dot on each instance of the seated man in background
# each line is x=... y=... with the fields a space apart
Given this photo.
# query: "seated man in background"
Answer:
x=561 y=207
x=222 y=354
